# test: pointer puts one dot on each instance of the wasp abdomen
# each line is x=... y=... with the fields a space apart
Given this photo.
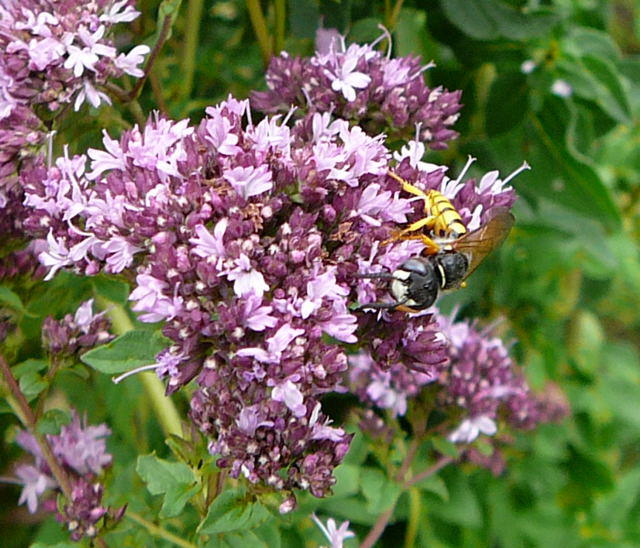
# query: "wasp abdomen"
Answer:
x=448 y=222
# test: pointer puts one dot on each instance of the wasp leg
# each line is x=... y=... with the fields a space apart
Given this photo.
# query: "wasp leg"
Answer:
x=403 y=308
x=427 y=222
x=383 y=306
x=412 y=189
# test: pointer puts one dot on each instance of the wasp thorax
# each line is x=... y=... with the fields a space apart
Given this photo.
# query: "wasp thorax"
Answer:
x=452 y=269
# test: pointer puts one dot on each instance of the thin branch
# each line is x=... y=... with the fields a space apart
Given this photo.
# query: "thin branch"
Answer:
x=395 y=14
x=189 y=51
x=281 y=19
x=378 y=528
x=158 y=531
x=435 y=468
x=260 y=28
x=383 y=519
x=162 y=37
x=29 y=421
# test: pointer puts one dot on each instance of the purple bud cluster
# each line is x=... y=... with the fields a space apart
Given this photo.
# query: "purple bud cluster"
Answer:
x=81 y=450
x=52 y=53
x=77 y=333
x=477 y=377
x=483 y=380
x=363 y=85
x=246 y=240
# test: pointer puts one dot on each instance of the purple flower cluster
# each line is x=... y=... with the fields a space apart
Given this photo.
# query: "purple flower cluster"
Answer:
x=77 y=333
x=246 y=241
x=82 y=452
x=52 y=53
x=58 y=52
x=360 y=84
x=478 y=378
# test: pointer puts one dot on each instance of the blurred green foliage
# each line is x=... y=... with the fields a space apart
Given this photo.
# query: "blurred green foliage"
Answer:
x=567 y=281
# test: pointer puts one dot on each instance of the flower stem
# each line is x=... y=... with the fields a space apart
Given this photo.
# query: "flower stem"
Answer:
x=378 y=528
x=29 y=421
x=281 y=15
x=435 y=468
x=415 y=503
x=164 y=408
x=260 y=28
x=162 y=37
x=383 y=519
x=393 y=19
x=157 y=531
x=194 y=15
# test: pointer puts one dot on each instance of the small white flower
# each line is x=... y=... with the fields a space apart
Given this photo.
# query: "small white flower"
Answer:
x=470 y=429
x=528 y=66
x=335 y=535
x=562 y=88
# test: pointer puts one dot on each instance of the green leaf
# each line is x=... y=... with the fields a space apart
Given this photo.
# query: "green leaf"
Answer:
x=131 y=350
x=347 y=480
x=559 y=176
x=167 y=14
x=580 y=41
x=491 y=20
x=52 y=421
x=112 y=290
x=463 y=508
x=303 y=18
x=56 y=545
x=11 y=299
x=380 y=493
x=436 y=485
x=233 y=510
x=32 y=384
x=508 y=102
x=269 y=533
x=174 y=480
x=242 y=539
x=444 y=446
x=611 y=94
x=29 y=366
x=410 y=36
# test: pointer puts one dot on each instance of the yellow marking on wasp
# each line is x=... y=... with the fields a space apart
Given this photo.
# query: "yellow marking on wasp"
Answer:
x=442 y=219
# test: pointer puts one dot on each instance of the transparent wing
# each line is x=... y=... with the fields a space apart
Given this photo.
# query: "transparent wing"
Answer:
x=478 y=244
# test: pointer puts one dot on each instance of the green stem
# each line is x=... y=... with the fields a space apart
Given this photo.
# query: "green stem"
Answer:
x=260 y=28
x=162 y=37
x=164 y=408
x=415 y=503
x=281 y=15
x=395 y=14
x=383 y=519
x=157 y=531
x=194 y=15
x=29 y=421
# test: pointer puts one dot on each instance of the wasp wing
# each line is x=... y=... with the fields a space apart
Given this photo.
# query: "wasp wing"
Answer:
x=478 y=244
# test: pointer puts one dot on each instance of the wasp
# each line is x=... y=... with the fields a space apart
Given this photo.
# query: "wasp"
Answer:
x=450 y=255
x=441 y=219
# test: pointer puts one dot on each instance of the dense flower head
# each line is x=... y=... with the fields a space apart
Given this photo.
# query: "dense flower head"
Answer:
x=55 y=53
x=52 y=53
x=79 y=448
x=485 y=383
x=246 y=240
x=477 y=377
x=76 y=333
x=363 y=85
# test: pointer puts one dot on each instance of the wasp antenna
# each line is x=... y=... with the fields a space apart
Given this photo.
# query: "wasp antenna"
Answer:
x=377 y=306
x=374 y=275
